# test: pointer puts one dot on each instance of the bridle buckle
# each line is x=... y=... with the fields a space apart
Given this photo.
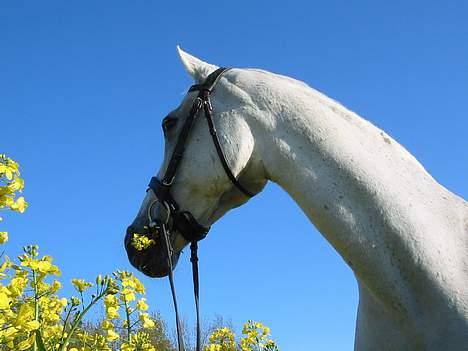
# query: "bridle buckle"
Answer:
x=164 y=182
x=208 y=105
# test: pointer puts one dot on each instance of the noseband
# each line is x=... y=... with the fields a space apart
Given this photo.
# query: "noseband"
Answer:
x=183 y=221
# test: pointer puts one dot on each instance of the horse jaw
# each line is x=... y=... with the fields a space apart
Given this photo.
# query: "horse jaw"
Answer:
x=197 y=68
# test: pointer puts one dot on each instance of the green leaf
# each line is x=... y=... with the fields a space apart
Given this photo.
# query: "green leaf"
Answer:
x=39 y=341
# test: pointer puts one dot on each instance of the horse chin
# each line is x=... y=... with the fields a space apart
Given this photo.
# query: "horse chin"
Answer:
x=152 y=265
x=157 y=268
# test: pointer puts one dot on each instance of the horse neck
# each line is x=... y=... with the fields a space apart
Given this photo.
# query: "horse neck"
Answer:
x=363 y=191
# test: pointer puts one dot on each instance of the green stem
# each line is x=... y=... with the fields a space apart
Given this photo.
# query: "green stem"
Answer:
x=84 y=340
x=65 y=323
x=77 y=321
x=135 y=323
x=36 y=304
x=129 y=327
x=82 y=300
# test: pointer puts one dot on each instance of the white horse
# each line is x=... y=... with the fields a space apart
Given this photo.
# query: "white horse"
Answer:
x=404 y=235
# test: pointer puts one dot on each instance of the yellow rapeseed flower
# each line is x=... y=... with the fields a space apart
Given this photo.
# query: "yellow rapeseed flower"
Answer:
x=112 y=335
x=127 y=295
x=26 y=344
x=112 y=312
x=75 y=301
x=25 y=318
x=5 y=301
x=222 y=339
x=147 y=321
x=142 y=341
x=18 y=284
x=17 y=184
x=142 y=305
x=141 y=242
x=213 y=347
x=3 y=237
x=19 y=205
x=111 y=301
x=139 y=287
x=81 y=285
x=127 y=347
x=8 y=167
x=56 y=285
x=107 y=325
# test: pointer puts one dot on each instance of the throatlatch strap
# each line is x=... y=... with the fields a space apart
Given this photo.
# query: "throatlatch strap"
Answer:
x=204 y=94
x=219 y=150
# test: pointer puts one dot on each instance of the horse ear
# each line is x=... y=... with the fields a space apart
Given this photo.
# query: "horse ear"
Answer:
x=198 y=69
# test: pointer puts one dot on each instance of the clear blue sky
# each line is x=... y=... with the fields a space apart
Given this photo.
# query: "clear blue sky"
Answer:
x=83 y=88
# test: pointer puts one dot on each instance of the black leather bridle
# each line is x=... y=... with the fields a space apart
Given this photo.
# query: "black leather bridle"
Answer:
x=177 y=219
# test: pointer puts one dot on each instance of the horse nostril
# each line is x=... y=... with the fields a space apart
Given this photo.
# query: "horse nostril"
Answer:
x=129 y=230
x=129 y=235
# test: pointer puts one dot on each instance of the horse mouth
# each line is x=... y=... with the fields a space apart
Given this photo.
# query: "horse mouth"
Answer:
x=151 y=261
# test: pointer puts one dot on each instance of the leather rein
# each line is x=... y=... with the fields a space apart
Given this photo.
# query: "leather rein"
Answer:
x=177 y=219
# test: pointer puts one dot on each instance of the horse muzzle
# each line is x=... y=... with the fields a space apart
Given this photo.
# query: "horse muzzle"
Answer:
x=151 y=261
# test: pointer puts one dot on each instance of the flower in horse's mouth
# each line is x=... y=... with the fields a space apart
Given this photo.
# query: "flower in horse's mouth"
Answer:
x=141 y=242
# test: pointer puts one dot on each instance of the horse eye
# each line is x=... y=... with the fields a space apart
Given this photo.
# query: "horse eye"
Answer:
x=168 y=123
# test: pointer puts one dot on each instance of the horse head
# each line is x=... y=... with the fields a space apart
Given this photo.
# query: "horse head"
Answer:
x=193 y=187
